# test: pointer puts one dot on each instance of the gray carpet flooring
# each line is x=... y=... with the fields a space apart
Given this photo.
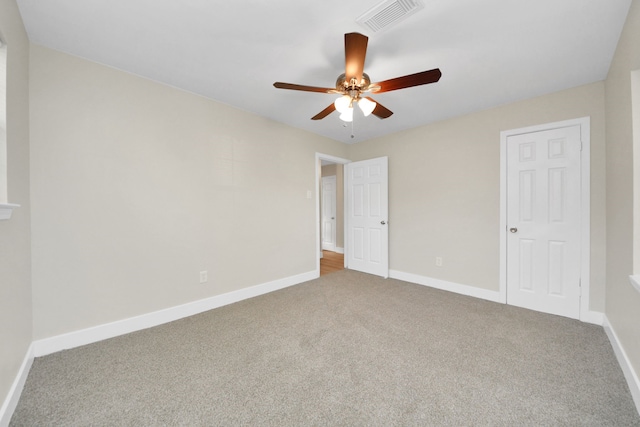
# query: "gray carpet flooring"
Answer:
x=347 y=349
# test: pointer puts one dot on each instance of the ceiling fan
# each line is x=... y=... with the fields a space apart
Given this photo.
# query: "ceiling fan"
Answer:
x=354 y=83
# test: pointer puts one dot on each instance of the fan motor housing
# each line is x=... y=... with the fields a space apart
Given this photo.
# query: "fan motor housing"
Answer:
x=342 y=85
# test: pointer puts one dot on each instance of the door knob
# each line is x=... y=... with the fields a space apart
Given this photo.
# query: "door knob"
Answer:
x=382 y=222
x=513 y=230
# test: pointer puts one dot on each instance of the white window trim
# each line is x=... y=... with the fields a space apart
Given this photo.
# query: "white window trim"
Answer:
x=6 y=209
x=634 y=279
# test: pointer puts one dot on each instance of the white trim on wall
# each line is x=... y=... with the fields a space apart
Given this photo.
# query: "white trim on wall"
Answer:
x=109 y=330
x=11 y=401
x=457 y=288
x=625 y=363
x=593 y=317
x=635 y=127
x=585 y=227
x=6 y=209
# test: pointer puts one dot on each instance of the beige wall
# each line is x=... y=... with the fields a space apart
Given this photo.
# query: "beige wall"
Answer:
x=337 y=171
x=444 y=188
x=623 y=302
x=138 y=186
x=15 y=286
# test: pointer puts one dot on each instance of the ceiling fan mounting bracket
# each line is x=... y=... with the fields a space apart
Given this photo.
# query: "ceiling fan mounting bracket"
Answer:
x=346 y=87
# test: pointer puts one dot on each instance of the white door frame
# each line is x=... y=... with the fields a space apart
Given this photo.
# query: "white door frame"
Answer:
x=585 y=232
x=341 y=161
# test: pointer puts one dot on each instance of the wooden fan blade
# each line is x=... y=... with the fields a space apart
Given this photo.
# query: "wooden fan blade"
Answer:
x=417 y=79
x=292 y=86
x=380 y=111
x=355 y=52
x=324 y=113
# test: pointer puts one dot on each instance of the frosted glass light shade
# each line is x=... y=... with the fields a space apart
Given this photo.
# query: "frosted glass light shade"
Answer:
x=347 y=115
x=342 y=103
x=366 y=106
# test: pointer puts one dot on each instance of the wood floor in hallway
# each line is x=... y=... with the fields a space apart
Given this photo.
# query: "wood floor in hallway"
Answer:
x=331 y=262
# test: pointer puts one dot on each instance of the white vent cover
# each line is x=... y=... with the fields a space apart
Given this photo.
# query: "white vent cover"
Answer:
x=388 y=12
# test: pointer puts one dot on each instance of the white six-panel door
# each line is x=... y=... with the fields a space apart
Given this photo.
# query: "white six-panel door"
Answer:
x=367 y=212
x=329 y=213
x=543 y=221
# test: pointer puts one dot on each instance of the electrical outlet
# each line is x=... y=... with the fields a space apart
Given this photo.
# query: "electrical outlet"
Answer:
x=438 y=261
x=308 y=194
x=203 y=276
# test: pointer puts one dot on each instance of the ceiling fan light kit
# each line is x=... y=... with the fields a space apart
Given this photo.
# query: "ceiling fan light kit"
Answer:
x=366 y=106
x=347 y=115
x=354 y=82
x=344 y=105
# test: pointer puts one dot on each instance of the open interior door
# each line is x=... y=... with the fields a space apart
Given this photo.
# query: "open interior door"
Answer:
x=367 y=216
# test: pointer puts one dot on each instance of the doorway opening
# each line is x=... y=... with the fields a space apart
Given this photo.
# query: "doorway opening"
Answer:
x=330 y=214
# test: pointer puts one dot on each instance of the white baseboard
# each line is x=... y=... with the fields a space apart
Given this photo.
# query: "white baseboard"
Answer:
x=11 y=401
x=109 y=330
x=594 y=317
x=471 y=291
x=623 y=360
x=339 y=250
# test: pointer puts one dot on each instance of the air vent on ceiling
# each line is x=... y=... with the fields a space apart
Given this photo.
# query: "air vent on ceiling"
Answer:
x=388 y=12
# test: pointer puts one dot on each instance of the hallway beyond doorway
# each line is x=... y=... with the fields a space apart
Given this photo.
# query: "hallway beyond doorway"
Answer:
x=331 y=262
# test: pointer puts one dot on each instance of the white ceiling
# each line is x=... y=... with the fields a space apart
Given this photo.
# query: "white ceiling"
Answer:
x=490 y=52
